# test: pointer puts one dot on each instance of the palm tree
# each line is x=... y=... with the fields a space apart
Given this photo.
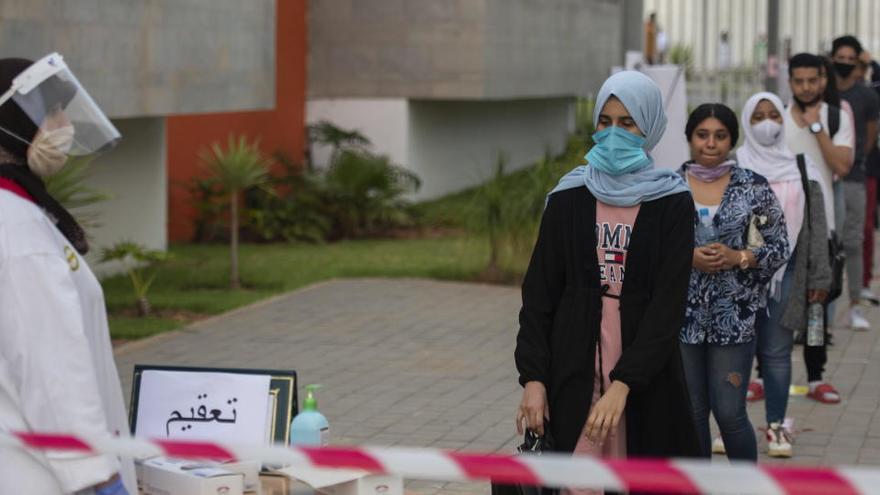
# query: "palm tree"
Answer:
x=70 y=188
x=238 y=167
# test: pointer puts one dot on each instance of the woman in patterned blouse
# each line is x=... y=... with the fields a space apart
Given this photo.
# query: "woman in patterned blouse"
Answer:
x=729 y=280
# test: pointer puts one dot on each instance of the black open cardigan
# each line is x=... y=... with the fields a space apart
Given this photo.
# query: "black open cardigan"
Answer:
x=562 y=311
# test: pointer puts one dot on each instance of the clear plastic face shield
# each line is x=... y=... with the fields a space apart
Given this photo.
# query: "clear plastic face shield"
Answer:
x=59 y=106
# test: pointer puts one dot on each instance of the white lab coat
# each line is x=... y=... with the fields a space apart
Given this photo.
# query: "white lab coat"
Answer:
x=57 y=372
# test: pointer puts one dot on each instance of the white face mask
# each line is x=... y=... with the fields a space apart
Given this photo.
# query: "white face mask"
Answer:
x=47 y=153
x=767 y=132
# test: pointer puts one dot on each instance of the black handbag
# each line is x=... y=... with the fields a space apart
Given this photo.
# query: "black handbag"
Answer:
x=532 y=445
x=838 y=260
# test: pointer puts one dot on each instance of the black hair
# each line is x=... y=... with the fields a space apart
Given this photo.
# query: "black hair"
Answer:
x=719 y=111
x=12 y=117
x=830 y=96
x=805 y=60
x=847 y=40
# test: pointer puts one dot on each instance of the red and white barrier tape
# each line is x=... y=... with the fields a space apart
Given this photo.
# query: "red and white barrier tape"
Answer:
x=652 y=476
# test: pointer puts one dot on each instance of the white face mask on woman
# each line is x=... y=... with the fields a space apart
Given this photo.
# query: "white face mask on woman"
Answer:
x=47 y=153
x=767 y=132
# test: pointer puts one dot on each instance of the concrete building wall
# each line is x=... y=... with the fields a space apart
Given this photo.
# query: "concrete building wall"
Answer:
x=280 y=130
x=550 y=48
x=455 y=144
x=461 y=49
x=134 y=175
x=383 y=121
x=396 y=48
x=633 y=34
x=157 y=57
x=452 y=145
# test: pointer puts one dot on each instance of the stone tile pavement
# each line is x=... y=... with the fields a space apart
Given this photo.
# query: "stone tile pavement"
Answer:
x=430 y=364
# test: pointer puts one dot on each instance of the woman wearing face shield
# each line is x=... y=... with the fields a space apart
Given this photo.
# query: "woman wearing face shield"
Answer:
x=605 y=292
x=806 y=278
x=57 y=372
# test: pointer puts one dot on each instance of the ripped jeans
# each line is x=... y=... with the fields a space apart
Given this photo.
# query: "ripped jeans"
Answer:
x=718 y=378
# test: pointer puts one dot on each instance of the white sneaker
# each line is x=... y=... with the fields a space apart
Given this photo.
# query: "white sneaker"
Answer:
x=857 y=319
x=778 y=441
x=868 y=296
x=718 y=446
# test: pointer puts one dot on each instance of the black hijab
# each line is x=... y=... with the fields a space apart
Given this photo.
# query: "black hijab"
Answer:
x=13 y=163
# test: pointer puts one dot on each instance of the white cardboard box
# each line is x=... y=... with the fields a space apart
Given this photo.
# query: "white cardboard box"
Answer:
x=346 y=481
x=368 y=485
x=250 y=470
x=164 y=476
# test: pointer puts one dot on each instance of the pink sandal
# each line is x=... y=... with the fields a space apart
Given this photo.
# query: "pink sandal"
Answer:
x=755 y=392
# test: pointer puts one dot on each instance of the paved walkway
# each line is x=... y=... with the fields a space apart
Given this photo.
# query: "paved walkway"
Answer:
x=430 y=364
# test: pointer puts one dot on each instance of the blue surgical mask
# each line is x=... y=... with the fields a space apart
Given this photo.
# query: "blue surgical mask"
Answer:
x=618 y=152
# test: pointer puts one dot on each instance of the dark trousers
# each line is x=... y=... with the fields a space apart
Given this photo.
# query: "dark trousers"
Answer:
x=816 y=357
x=868 y=242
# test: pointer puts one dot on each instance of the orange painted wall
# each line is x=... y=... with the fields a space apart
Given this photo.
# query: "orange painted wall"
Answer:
x=281 y=129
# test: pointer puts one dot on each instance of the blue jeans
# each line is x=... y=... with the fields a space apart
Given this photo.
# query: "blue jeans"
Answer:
x=718 y=378
x=775 y=344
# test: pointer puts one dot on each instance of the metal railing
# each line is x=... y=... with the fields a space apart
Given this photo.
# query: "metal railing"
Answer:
x=731 y=87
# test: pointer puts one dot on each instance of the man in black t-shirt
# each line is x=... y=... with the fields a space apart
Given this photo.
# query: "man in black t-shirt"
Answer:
x=866 y=111
x=872 y=180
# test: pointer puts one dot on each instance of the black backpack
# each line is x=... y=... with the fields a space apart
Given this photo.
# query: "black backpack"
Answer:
x=833 y=120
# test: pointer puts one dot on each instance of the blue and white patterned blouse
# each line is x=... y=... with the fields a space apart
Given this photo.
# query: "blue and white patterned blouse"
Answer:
x=722 y=307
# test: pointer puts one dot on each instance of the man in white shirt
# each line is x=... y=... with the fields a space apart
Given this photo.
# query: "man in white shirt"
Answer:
x=826 y=134
x=807 y=127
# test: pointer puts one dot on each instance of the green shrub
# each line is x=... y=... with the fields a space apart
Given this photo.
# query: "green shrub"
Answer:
x=584 y=118
x=359 y=194
x=509 y=213
x=69 y=187
x=139 y=263
x=365 y=194
x=683 y=55
x=292 y=207
x=207 y=199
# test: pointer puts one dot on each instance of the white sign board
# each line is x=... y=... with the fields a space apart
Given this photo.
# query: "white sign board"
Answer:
x=186 y=405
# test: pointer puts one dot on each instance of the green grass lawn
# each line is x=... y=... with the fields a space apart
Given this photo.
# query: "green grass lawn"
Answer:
x=194 y=282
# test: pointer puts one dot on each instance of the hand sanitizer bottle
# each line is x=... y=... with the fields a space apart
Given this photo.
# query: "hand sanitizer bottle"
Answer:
x=309 y=428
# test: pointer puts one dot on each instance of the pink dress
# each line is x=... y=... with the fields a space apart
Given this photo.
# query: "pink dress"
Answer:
x=614 y=226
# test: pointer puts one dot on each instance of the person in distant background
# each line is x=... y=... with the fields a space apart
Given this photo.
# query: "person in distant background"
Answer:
x=651 y=39
x=662 y=45
x=725 y=57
